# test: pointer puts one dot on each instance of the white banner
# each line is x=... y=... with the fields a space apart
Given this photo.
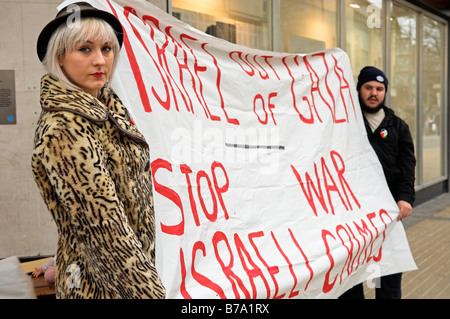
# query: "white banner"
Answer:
x=265 y=185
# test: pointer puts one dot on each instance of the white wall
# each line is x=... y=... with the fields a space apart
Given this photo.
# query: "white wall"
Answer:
x=26 y=228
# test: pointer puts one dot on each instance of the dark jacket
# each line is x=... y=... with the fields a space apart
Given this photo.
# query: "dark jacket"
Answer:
x=394 y=147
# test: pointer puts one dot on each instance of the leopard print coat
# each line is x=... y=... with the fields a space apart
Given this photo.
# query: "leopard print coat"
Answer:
x=92 y=168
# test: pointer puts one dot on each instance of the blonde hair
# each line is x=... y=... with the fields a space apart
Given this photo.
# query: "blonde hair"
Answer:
x=65 y=39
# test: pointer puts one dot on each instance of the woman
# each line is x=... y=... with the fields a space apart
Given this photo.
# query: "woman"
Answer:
x=91 y=164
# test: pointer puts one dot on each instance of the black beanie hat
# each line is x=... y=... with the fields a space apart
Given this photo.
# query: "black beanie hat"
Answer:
x=370 y=73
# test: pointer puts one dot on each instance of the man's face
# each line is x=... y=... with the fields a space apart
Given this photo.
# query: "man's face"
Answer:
x=372 y=94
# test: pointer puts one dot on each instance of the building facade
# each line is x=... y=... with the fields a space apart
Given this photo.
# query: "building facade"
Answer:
x=407 y=39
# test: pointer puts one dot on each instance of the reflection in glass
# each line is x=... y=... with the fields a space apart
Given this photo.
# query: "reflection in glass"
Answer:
x=432 y=77
x=242 y=22
x=403 y=78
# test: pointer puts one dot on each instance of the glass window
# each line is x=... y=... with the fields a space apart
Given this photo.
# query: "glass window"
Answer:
x=242 y=22
x=403 y=75
x=433 y=33
x=364 y=34
x=308 y=25
x=416 y=74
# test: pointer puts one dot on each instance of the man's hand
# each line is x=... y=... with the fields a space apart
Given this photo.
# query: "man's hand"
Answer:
x=405 y=209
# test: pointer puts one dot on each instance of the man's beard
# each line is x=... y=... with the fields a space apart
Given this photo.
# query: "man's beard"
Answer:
x=367 y=109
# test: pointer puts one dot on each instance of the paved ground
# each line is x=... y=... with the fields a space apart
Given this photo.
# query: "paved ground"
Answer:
x=428 y=232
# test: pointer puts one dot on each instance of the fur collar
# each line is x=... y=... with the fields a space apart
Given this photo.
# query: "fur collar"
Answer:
x=55 y=97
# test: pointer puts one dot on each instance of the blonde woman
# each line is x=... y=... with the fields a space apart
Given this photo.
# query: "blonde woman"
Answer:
x=91 y=164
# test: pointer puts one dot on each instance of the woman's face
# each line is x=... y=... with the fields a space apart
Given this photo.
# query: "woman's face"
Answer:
x=89 y=65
